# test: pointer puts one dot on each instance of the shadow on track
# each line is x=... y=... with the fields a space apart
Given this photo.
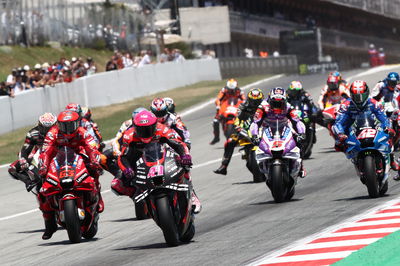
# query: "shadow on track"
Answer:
x=67 y=242
x=365 y=197
x=37 y=231
x=243 y=183
x=124 y=220
x=152 y=246
x=273 y=202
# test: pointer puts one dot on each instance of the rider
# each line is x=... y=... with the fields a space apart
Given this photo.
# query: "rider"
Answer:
x=67 y=132
x=277 y=107
x=160 y=109
x=385 y=89
x=84 y=122
x=358 y=104
x=171 y=105
x=33 y=142
x=334 y=91
x=242 y=122
x=145 y=130
x=87 y=114
x=231 y=90
x=119 y=184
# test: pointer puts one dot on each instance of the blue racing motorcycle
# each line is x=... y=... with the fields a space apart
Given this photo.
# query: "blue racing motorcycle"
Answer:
x=368 y=148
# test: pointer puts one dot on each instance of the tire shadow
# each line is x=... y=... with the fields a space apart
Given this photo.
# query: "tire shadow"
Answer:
x=364 y=197
x=244 y=183
x=273 y=202
x=124 y=220
x=67 y=242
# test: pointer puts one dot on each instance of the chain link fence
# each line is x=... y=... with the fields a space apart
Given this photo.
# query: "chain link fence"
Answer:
x=75 y=23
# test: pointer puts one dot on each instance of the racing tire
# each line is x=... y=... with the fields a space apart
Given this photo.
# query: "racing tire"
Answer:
x=278 y=186
x=384 y=188
x=255 y=170
x=72 y=222
x=290 y=194
x=189 y=234
x=371 y=179
x=167 y=221
x=141 y=212
x=308 y=145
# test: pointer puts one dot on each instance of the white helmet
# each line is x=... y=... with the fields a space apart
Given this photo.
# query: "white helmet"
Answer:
x=46 y=121
x=231 y=84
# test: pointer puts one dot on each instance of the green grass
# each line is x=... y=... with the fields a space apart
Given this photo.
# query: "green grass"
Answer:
x=110 y=118
x=16 y=56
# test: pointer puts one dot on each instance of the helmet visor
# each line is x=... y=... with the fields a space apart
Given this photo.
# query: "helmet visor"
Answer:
x=146 y=131
x=278 y=104
x=159 y=113
x=359 y=98
x=333 y=86
x=392 y=83
x=68 y=127
x=294 y=93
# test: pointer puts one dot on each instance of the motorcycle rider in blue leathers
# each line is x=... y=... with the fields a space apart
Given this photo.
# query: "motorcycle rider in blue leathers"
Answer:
x=385 y=89
x=358 y=104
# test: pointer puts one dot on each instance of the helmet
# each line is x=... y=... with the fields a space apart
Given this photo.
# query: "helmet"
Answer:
x=231 y=84
x=337 y=74
x=136 y=111
x=68 y=123
x=46 y=121
x=255 y=97
x=392 y=80
x=359 y=92
x=74 y=107
x=145 y=123
x=333 y=83
x=86 y=113
x=277 y=100
x=295 y=89
x=170 y=104
x=159 y=108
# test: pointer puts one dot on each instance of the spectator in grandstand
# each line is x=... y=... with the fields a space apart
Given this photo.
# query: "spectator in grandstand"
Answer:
x=127 y=60
x=12 y=78
x=6 y=90
x=165 y=56
x=112 y=64
x=146 y=58
x=177 y=56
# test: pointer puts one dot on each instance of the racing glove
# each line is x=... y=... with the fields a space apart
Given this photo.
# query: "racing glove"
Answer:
x=342 y=137
x=300 y=138
x=23 y=164
x=255 y=140
x=186 y=160
x=129 y=173
x=389 y=131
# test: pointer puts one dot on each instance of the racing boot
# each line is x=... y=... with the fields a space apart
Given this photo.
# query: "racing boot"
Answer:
x=393 y=164
x=50 y=225
x=196 y=203
x=222 y=170
x=303 y=172
x=215 y=131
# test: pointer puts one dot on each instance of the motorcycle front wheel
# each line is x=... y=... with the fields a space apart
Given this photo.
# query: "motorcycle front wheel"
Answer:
x=371 y=179
x=167 y=221
x=72 y=222
x=278 y=187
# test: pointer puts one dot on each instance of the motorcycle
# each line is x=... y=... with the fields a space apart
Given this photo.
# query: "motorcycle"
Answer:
x=329 y=115
x=248 y=151
x=368 y=148
x=166 y=191
x=228 y=113
x=73 y=194
x=302 y=112
x=279 y=160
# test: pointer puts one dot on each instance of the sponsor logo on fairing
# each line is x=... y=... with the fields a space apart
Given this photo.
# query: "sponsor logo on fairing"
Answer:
x=51 y=181
x=82 y=177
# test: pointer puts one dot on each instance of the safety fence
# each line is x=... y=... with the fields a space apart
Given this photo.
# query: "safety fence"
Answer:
x=104 y=89
x=236 y=67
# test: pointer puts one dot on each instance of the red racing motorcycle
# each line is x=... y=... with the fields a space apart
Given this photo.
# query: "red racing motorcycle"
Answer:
x=73 y=194
x=165 y=189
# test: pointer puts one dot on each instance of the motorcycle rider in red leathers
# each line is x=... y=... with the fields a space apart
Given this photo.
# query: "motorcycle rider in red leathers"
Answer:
x=67 y=132
x=146 y=129
x=230 y=90
x=160 y=109
x=334 y=91
x=87 y=115
x=33 y=142
x=277 y=107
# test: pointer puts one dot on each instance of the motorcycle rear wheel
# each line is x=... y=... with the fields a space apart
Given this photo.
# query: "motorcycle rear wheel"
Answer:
x=167 y=221
x=309 y=144
x=255 y=170
x=279 y=189
x=371 y=179
x=72 y=222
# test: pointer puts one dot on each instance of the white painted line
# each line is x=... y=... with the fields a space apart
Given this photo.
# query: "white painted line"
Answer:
x=373 y=71
x=211 y=162
x=387 y=214
x=342 y=243
x=319 y=256
x=364 y=232
x=390 y=221
x=304 y=241
x=18 y=214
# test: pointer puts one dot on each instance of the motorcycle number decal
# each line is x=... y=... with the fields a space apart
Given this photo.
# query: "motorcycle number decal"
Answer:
x=277 y=144
x=66 y=173
x=367 y=133
x=157 y=170
x=231 y=109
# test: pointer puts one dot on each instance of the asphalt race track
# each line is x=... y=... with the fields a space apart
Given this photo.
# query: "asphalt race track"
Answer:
x=239 y=221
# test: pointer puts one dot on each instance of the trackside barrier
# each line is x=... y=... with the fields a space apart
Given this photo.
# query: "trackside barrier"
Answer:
x=103 y=89
x=236 y=67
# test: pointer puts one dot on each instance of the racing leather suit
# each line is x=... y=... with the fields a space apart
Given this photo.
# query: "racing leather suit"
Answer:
x=224 y=95
x=175 y=123
x=333 y=97
x=33 y=142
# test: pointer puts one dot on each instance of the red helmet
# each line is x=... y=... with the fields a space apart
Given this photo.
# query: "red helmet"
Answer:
x=333 y=82
x=68 y=123
x=74 y=107
x=159 y=108
x=359 y=92
x=145 y=123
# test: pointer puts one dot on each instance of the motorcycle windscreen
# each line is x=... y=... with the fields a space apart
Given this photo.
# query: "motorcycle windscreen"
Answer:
x=278 y=128
x=153 y=152
x=363 y=121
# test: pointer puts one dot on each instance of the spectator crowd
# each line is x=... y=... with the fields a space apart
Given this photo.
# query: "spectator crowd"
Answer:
x=27 y=78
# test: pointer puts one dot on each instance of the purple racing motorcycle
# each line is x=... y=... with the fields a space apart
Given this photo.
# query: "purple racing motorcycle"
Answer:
x=279 y=159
